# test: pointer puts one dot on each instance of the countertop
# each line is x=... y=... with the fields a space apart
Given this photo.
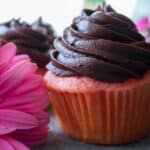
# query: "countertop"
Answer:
x=57 y=140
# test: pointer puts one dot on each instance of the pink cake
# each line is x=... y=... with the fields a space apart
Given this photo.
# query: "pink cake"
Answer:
x=99 y=112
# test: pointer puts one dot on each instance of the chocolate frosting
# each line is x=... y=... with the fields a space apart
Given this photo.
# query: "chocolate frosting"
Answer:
x=43 y=27
x=32 y=42
x=103 y=45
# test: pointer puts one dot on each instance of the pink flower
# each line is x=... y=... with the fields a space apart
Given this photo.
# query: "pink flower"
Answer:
x=143 y=24
x=23 y=98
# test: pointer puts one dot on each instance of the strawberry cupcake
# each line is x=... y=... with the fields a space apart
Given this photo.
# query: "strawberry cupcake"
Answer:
x=99 y=80
x=29 y=41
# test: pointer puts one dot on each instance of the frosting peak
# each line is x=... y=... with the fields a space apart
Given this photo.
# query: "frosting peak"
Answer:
x=103 y=45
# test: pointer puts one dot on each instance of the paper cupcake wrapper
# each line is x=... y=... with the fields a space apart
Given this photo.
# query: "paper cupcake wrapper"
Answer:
x=104 y=117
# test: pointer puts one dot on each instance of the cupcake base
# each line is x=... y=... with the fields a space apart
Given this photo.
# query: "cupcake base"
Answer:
x=97 y=112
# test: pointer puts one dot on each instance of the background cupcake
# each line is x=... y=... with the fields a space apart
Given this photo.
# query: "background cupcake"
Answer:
x=99 y=78
x=29 y=41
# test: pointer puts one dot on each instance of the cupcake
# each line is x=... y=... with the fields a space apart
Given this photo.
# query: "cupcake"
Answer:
x=99 y=80
x=29 y=41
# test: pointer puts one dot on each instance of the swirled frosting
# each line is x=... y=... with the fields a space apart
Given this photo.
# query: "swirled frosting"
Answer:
x=29 y=41
x=103 y=45
x=44 y=28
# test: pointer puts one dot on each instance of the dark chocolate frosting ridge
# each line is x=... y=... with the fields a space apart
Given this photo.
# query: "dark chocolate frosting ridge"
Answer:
x=103 y=45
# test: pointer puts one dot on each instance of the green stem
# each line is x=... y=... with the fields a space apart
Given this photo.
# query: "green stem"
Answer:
x=92 y=4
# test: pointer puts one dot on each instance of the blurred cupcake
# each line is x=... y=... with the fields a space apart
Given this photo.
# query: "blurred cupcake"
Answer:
x=144 y=27
x=29 y=41
x=44 y=28
x=99 y=80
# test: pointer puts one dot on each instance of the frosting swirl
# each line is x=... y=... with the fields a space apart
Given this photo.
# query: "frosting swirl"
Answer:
x=32 y=42
x=103 y=45
x=43 y=27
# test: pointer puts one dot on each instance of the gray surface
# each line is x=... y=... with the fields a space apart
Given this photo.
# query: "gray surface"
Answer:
x=59 y=141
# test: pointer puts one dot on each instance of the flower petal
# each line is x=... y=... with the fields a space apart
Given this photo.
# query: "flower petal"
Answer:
x=7 y=52
x=143 y=24
x=31 y=136
x=17 y=119
x=29 y=84
x=32 y=101
x=14 y=75
x=19 y=58
x=6 y=130
x=43 y=118
x=5 y=145
x=16 y=144
x=30 y=95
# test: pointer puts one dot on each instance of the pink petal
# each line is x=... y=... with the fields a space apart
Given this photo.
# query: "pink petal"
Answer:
x=16 y=59
x=30 y=95
x=19 y=58
x=14 y=76
x=4 y=67
x=5 y=145
x=16 y=144
x=7 y=52
x=32 y=101
x=31 y=136
x=43 y=118
x=6 y=130
x=29 y=84
x=143 y=24
x=17 y=119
